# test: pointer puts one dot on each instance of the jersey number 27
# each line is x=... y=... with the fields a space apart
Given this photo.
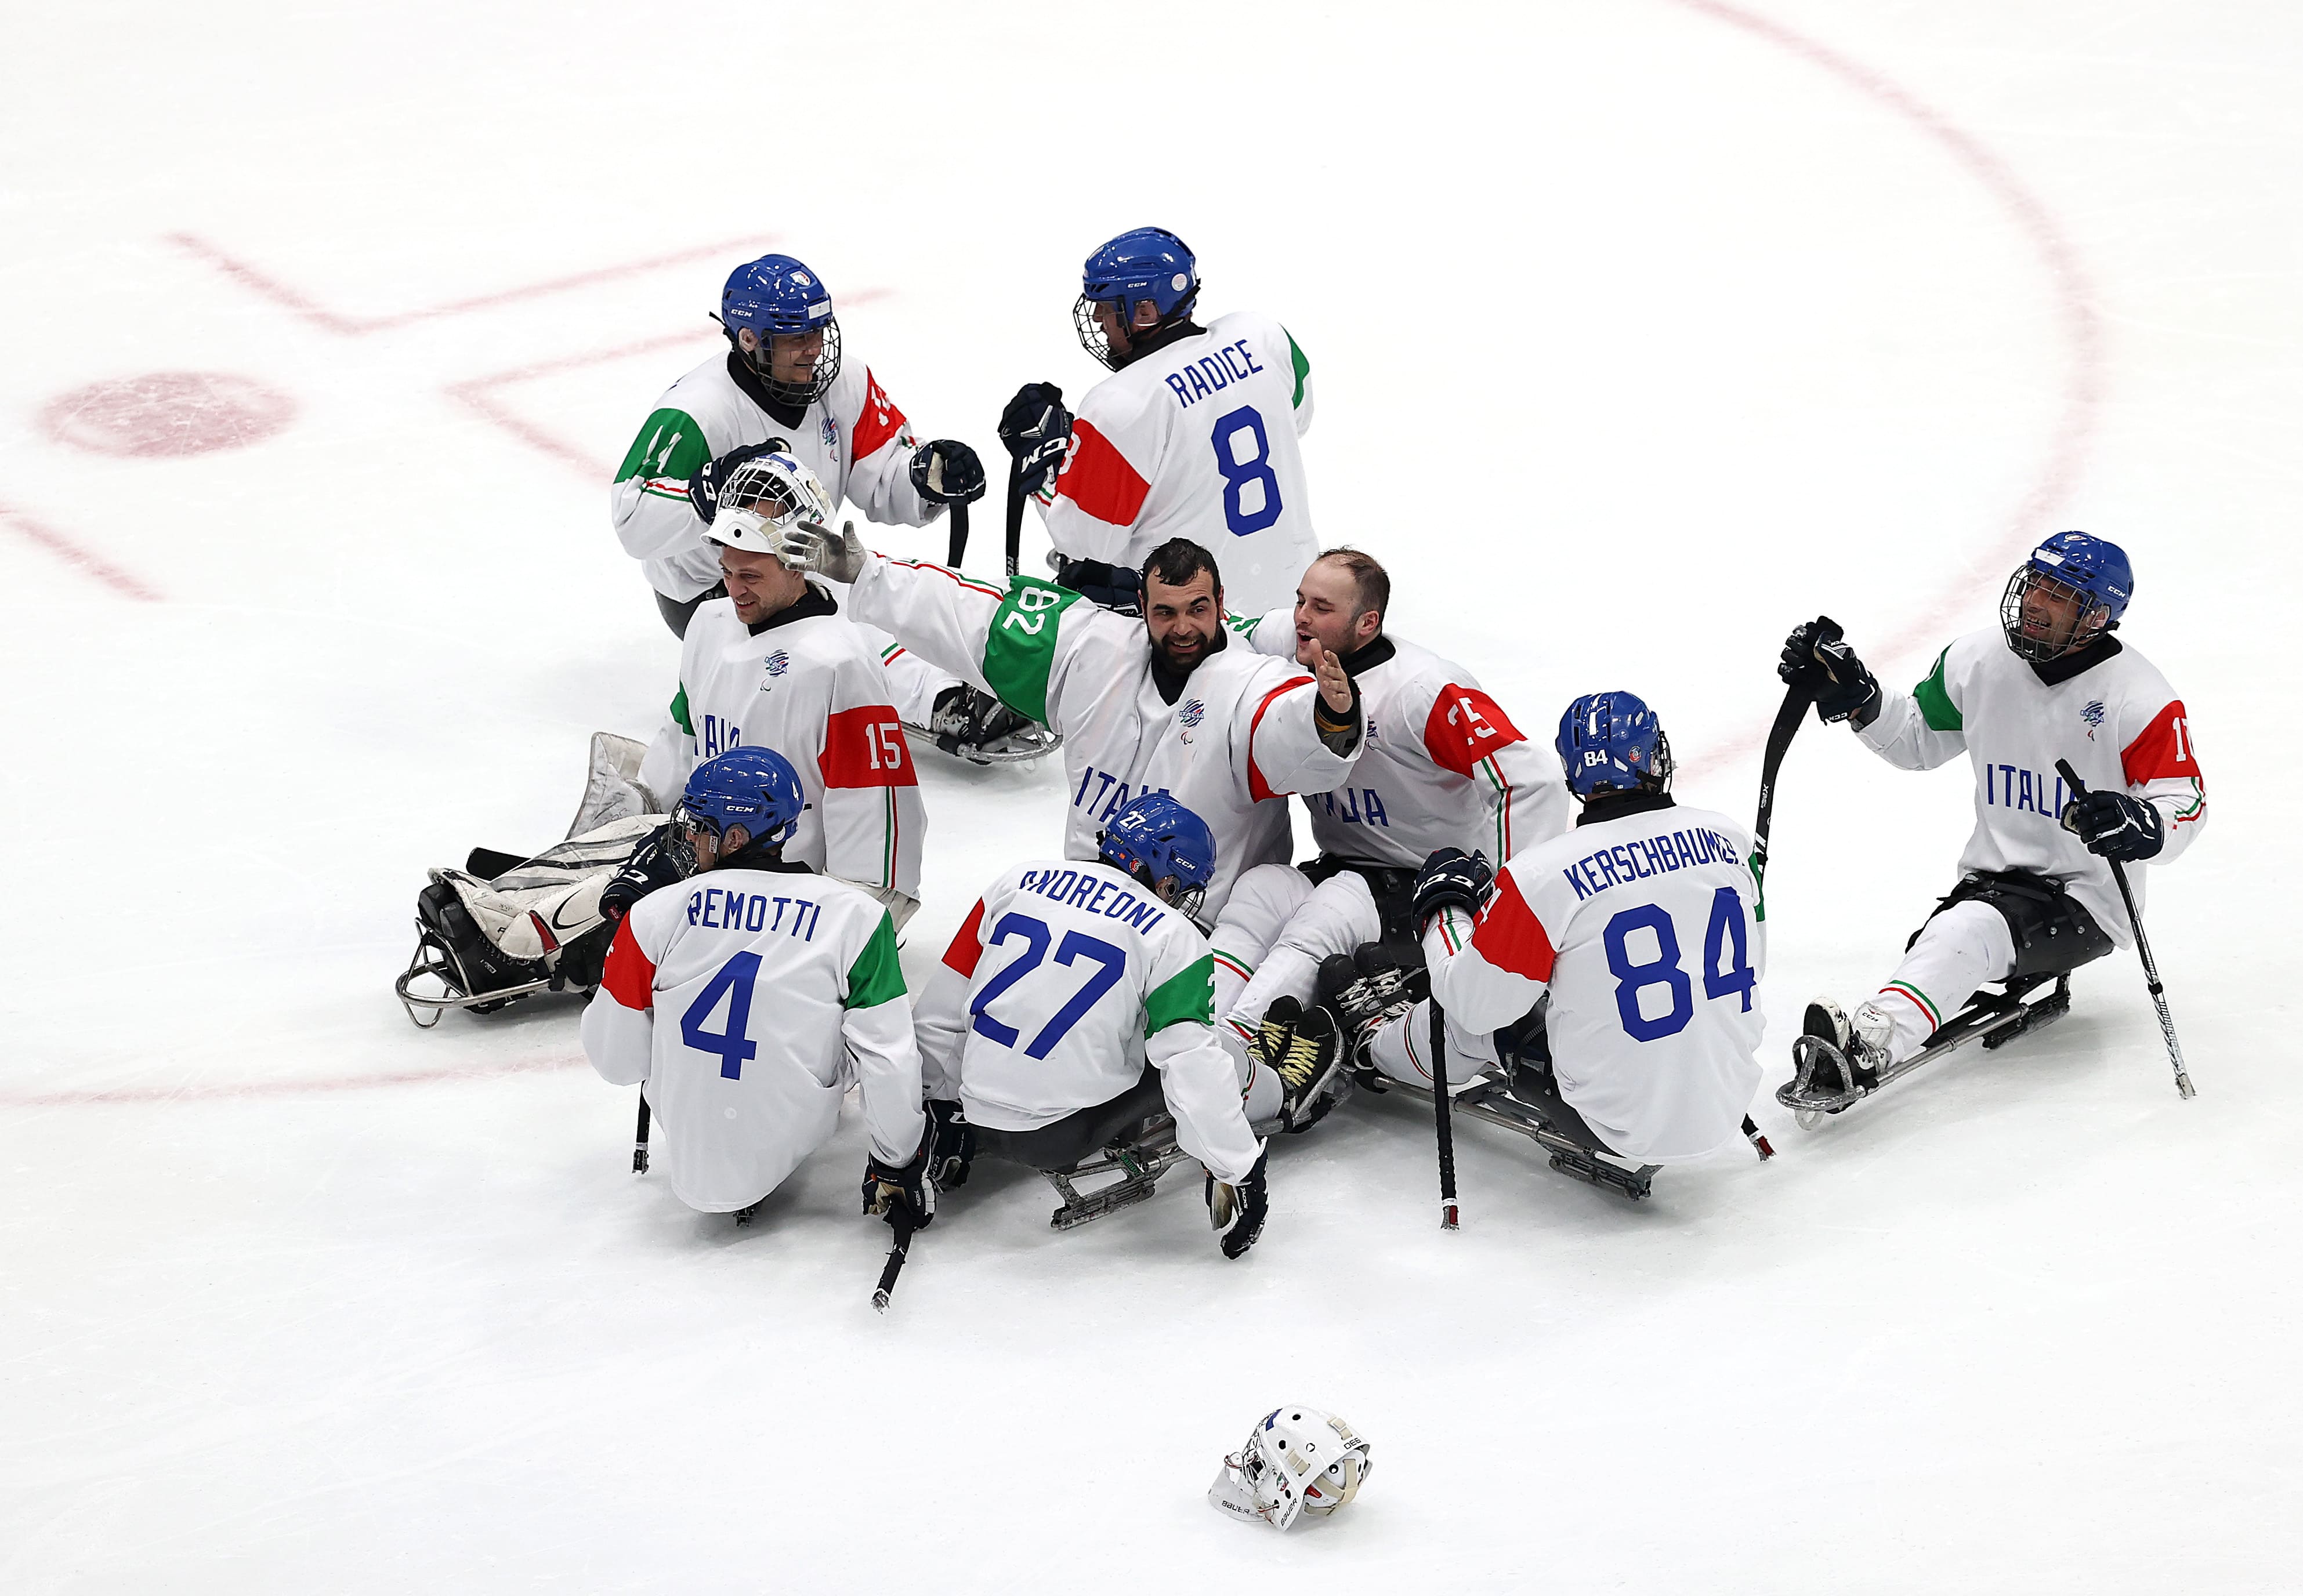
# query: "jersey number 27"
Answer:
x=1111 y=963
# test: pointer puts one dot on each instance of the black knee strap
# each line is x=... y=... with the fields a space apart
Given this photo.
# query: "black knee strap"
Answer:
x=2053 y=931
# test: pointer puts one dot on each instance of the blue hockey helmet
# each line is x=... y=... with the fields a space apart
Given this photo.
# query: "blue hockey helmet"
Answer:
x=1144 y=263
x=1612 y=741
x=776 y=297
x=755 y=788
x=1167 y=841
x=2070 y=592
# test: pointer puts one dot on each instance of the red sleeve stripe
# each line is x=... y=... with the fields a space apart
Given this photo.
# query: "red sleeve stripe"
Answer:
x=629 y=977
x=1097 y=478
x=878 y=421
x=1466 y=726
x=1510 y=937
x=1259 y=789
x=968 y=944
x=865 y=747
x=946 y=571
x=2162 y=752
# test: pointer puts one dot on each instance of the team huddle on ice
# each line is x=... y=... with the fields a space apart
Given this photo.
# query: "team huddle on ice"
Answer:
x=1534 y=928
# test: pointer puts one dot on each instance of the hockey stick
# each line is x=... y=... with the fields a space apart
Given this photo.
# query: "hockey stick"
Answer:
x=1015 y=514
x=901 y=1220
x=640 y=1138
x=2143 y=946
x=1779 y=742
x=1450 y=1212
x=957 y=549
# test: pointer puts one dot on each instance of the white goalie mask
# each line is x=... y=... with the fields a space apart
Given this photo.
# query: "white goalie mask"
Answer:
x=1296 y=1460
x=760 y=498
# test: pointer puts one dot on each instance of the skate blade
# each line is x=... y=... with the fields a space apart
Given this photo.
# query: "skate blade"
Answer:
x=1139 y=1173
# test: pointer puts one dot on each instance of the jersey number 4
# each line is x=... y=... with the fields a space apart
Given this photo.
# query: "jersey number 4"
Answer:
x=733 y=980
x=1251 y=488
x=1110 y=962
x=1727 y=969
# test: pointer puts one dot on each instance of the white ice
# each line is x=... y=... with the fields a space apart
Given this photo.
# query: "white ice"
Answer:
x=1641 y=331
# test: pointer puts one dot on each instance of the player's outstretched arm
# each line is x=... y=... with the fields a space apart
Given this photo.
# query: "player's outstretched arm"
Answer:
x=1298 y=733
x=1201 y=1086
x=1919 y=730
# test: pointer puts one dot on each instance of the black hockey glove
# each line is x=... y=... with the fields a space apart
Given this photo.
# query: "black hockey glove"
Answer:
x=1037 y=429
x=946 y=472
x=911 y=1187
x=704 y=487
x=1114 y=587
x=1819 y=664
x=951 y=1145
x=1452 y=878
x=2116 y=826
x=1236 y=1209
x=659 y=861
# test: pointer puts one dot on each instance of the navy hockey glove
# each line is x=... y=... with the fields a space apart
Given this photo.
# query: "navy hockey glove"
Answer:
x=664 y=859
x=1037 y=429
x=946 y=472
x=1114 y=587
x=2116 y=826
x=910 y=1187
x=1236 y=1209
x=1452 y=878
x=951 y=1145
x=1820 y=665
x=704 y=487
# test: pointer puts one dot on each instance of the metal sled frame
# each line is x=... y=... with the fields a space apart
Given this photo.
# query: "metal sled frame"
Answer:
x=1139 y=1165
x=1994 y=1018
x=433 y=959
x=1487 y=1100
x=1030 y=743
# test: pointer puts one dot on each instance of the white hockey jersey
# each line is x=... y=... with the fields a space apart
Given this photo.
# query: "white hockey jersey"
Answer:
x=854 y=439
x=1237 y=740
x=2116 y=720
x=749 y=1001
x=809 y=685
x=1443 y=766
x=1198 y=441
x=1648 y=931
x=1065 y=982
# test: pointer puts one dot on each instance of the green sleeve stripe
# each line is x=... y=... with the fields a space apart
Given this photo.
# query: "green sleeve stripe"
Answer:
x=1302 y=366
x=679 y=711
x=1758 y=864
x=1934 y=701
x=1019 y=651
x=670 y=444
x=877 y=976
x=1190 y=994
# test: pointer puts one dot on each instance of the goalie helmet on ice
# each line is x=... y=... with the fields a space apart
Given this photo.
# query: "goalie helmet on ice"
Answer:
x=1296 y=1460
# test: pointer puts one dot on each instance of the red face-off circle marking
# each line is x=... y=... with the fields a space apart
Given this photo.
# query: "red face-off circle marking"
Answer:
x=165 y=415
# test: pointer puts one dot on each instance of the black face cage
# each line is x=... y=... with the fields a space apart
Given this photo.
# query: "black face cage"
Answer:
x=2087 y=623
x=1096 y=342
x=799 y=396
x=1091 y=335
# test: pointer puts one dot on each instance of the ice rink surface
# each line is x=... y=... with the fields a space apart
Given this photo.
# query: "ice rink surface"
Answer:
x=1641 y=331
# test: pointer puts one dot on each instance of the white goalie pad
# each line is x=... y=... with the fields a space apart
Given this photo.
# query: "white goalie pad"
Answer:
x=550 y=900
x=613 y=788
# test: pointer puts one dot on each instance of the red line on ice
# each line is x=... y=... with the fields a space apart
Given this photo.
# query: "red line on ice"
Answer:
x=286 y=1089
x=81 y=559
x=2083 y=329
x=354 y=326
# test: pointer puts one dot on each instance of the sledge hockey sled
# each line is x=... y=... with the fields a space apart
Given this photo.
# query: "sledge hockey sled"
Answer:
x=1486 y=1098
x=1031 y=742
x=1825 y=1082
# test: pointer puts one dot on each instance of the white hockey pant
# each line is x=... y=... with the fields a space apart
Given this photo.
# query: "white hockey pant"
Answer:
x=1337 y=915
x=911 y=681
x=1958 y=950
x=1262 y=901
x=1402 y=1050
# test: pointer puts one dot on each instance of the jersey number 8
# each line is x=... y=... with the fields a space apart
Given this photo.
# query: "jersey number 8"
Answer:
x=1240 y=474
x=1728 y=972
